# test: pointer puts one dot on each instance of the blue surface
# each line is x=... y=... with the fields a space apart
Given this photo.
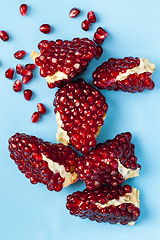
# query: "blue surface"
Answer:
x=31 y=212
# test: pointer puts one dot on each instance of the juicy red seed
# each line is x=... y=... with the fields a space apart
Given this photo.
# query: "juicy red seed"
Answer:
x=45 y=28
x=9 y=73
x=85 y=25
x=26 y=79
x=74 y=12
x=102 y=32
x=91 y=17
x=26 y=72
x=27 y=94
x=99 y=51
x=41 y=108
x=23 y=9
x=17 y=86
x=30 y=66
x=4 y=36
x=19 y=54
x=19 y=67
x=35 y=117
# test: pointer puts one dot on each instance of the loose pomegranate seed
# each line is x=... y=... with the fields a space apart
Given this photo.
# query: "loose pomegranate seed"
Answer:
x=27 y=75
x=19 y=67
x=27 y=94
x=100 y=35
x=4 y=36
x=23 y=9
x=26 y=79
x=74 y=12
x=45 y=28
x=35 y=117
x=30 y=66
x=19 y=54
x=99 y=51
x=85 y=25
x=41 y=108
x=91 y=17
x=9 y=73
x=17 y=86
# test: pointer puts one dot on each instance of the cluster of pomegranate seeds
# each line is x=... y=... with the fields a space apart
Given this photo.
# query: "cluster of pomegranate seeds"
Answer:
x=106 y=76
x=45 y=28
x=17 y=86
x=41 y=108
x=9 y=73
x=23 y=9
x=27 y=94
x=74 y=12
x=102 y=164
x=67 y=57
x=82 y=110
x=100 y=35
x=91 y=204
x=4 y=36
x=27 y=152
x=91 y=17
x=19 y=54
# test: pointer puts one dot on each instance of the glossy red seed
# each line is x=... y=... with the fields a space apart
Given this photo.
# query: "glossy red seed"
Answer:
x=4 y=36
x=85 y=25
x=99 y=51
x=74 y=12
x=100 y=35
x=19 y=67
x=27 y=94
x=19 y=54
x=30 y=66
x=91 y=17
x=23 y=9
x=26 y=79
x=45 y=28
x=35 y=117
x=9 y=73
x=41 y=108
x=17 y=86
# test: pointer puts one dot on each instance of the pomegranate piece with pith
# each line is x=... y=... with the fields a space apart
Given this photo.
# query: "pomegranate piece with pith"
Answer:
x=86 y=25
x=106 y=204
x=9 y=73
x=80 y=112
x=45 y=28
x=109 y=163
x=27 y=94
x=43 y=162
x=17 y=86
x=23 y=9
x=74 y=12
x=4 y=36
x=100 y=35
x=41 y=108
x=63 y=60
x=91 y=17
x=126 y=74
x=19 y=54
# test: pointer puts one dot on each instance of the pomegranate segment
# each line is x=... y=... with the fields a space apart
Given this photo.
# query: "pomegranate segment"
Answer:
x=19 y=54
x=23 y=9
x=91 y=17
x=74 y=12
x=86 y=25
x=128 y=74
x=27 y=94
x=35 y=117
x=4 y=36
x=17 y=86
x=109 y=163
x=45 y=28
x=9 y=73
x=41 y=108
x=106 y=204
x=43 y=162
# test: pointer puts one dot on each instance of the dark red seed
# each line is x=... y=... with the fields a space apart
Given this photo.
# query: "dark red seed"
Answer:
x=19 y=54
x=35 y=117
x=41 y=108
x=19 y=67
x=17 y=86
x=26 y=79
x=99 y=51
x=4 y=36
x=9 y=73
x=23 y=9
x=85 y=25
x=91 y=17
x=45 y=28
x=74 y=12
x=30 y=66
x=100 y=35
x=27 y=94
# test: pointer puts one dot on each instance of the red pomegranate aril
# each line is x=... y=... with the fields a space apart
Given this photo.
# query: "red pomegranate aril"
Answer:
x=99 y=51
x=74 y=12
x=23 y=9
x=91 y=17
x=45 y=28
x=20 y=54
x=35 y=117
x=17 y=86
x=26 y=79
x=30 y=66
x=19 y=67
x=27 y=94
x=85 y=25
x=9 y=73
x=4 y=36
x=41 y=108
x=102 y=32
x=100 y=35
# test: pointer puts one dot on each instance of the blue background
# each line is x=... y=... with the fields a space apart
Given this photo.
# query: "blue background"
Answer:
x=31 y=212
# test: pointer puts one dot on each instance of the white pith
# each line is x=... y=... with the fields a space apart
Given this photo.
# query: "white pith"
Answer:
x=55 y=77
x=127 y=172
x=132 y=197
x=144 y=66
x=56 y=168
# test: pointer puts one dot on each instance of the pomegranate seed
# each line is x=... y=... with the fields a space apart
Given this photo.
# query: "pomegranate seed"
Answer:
x=101 y=31
x=17 y=86
x=35 y=117
x=74 y=12
x=9 y=73
x=26 y=79
x=41 y=108
x=27 y=94
x=30 y=66
x=91 y=17
x=99 y=51
x=4 y=36
x=100 y=35
x=45 y=28
x=85 y=25
x=19 y=54
x=26 y=72
x=19 y=67
x=23 y=9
